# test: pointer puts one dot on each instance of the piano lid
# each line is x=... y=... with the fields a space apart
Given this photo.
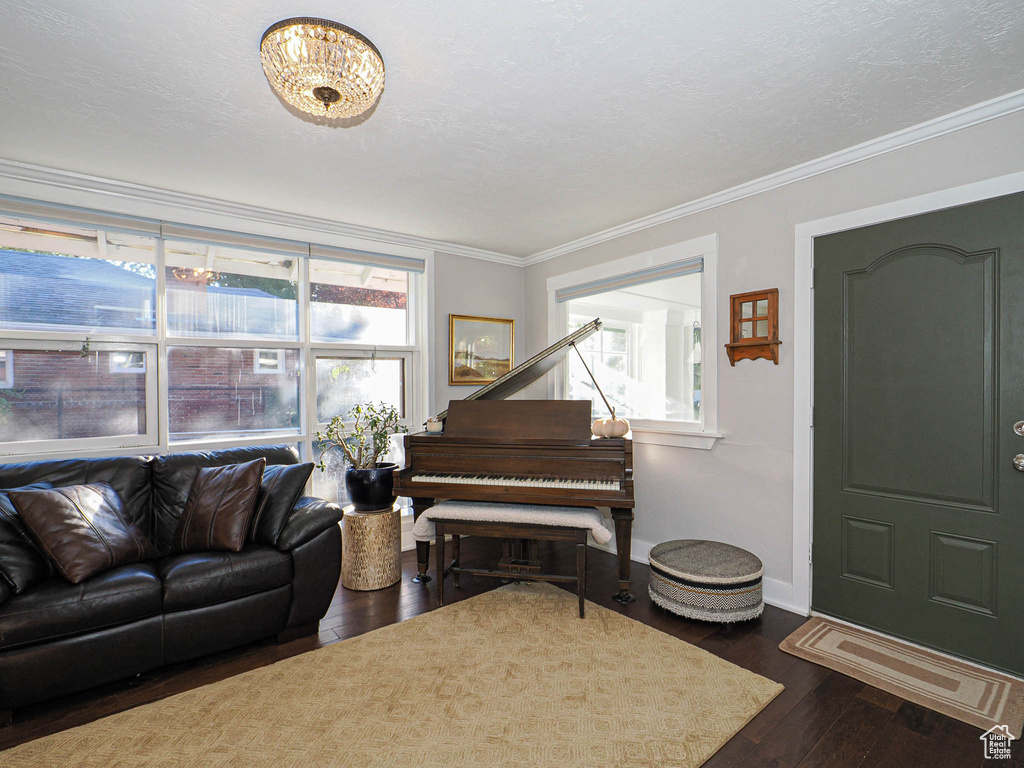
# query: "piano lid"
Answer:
x=526 y=373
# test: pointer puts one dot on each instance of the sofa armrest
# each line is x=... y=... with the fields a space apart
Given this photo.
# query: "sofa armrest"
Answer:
x=317 y=568
x=310 y=517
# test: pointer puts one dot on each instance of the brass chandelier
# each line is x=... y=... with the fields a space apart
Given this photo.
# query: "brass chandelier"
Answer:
x=322 y=67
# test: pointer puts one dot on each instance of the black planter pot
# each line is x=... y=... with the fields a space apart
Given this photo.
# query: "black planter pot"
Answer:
x=370 y=489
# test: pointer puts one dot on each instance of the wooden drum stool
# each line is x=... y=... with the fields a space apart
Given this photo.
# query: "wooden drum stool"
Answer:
x=371 y=548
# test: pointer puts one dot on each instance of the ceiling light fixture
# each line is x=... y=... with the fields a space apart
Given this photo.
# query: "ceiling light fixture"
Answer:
x=322 y=67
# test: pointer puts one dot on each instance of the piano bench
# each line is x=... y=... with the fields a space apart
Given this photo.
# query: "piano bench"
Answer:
x=509 y=530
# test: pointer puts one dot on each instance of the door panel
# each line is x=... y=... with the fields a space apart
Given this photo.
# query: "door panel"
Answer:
x=868 y=551
x=919 y=359
x=928 y=310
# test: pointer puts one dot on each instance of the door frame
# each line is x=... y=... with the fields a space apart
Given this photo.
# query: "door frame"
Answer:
x=803 y=345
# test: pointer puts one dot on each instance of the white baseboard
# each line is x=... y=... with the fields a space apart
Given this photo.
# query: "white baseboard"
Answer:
x=780 y=594
x=776 y=593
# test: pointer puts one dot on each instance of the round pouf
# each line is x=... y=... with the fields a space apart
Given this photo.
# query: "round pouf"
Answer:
x=371 y=548
x=706 y=580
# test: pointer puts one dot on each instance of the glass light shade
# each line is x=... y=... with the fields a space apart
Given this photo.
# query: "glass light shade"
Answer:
x=322 y=67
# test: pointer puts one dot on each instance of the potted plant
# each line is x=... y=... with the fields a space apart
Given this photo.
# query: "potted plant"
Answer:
x=364 y=437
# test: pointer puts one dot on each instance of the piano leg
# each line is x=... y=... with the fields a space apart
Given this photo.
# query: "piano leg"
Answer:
x=623 y=540
x=422 y=547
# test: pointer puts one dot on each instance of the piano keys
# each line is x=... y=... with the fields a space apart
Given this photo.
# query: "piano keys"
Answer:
x=519 y=481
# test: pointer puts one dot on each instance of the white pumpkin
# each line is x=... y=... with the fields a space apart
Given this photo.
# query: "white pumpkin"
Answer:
x=610 y=427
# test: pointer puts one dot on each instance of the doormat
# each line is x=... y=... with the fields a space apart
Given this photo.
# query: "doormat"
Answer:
x=959 y=689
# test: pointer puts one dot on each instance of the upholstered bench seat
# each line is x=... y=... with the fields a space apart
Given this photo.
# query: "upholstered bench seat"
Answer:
x=533 y=514
x=706 y=580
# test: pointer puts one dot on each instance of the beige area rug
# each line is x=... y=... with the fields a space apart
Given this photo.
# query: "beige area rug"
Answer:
x=975 y=695
x=508 y=678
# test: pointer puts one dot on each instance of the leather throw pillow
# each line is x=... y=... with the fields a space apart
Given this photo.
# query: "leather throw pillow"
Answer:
x=21 y=562
x=219 y=508
x=281 y=487
x=83 y=529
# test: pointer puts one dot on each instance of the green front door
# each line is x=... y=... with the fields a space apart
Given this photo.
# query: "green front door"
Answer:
x=918 y=385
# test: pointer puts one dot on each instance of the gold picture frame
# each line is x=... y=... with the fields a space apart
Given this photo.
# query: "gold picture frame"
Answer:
x=480 y=349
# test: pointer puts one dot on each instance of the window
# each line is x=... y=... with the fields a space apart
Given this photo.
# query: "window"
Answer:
x=6 y=368
x=65 y=393
x=342 y=382
x=128 y=341
x=644 y=357
x=657 y=312
x=216 y=291
x=213 y=391
x=71 y=279
x=358 y=304
x=268 y=361
x=127 y=362
x=365 y=329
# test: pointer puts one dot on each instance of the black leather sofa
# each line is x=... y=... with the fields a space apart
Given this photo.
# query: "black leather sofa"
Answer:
x=57 y=638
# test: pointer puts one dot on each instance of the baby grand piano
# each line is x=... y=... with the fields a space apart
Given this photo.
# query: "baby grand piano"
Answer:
x=525 y=452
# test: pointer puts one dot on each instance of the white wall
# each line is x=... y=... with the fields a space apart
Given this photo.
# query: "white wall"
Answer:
x=466 y=286
x=742 y=490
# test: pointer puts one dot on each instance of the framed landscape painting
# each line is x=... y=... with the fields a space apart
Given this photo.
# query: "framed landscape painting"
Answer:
x=479 y=349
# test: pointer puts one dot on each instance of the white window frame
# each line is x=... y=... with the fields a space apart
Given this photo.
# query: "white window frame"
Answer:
x=157 y=342
x=8 y=379
x=277 y=368
x=415 y=352
x=692 y=434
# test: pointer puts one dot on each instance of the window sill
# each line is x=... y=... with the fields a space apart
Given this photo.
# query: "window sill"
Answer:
x=676 y=438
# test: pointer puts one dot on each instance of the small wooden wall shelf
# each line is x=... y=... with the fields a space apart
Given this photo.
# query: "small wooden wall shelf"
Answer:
x=754 y=326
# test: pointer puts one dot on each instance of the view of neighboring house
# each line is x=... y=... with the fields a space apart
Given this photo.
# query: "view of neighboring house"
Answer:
x=56 y=393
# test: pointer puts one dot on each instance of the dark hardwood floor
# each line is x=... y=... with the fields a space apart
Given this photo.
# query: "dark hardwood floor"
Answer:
x=823 y=718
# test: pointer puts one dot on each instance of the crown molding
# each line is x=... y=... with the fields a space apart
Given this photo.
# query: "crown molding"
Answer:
x=954 y=121
x=69 y=188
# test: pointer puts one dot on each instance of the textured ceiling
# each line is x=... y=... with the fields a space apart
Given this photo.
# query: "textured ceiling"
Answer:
x=513 y=126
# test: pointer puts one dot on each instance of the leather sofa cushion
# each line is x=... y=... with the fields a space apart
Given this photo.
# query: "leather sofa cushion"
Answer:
x=5 y=592
x=173 y=474
x=82 y=528
x=128 y=475
x=56 y=609
x=42 y=671
x=220 y=508
x=281 y=487
x=21 y=562
x=199 y=579
x=187 y=634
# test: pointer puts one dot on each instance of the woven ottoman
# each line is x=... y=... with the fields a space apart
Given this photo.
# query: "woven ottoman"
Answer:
x=706 y=580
